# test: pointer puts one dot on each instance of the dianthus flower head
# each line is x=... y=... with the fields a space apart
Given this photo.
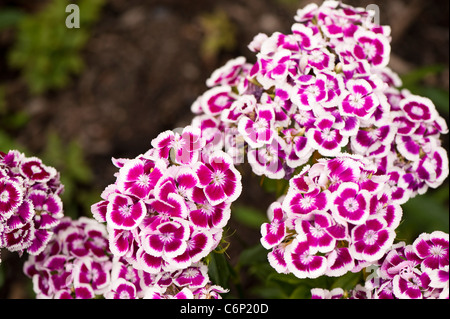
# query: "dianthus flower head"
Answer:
x=324 y=88
x=76 y=263
x=167 y=209
x=330 y=221
x=415 y=271
x=30 y=203
x=191 y=282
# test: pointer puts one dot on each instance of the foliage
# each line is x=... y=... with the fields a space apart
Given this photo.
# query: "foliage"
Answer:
x=47 y=52
x=219 y=34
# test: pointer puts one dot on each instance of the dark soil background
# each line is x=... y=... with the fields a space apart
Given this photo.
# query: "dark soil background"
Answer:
x=145 y=67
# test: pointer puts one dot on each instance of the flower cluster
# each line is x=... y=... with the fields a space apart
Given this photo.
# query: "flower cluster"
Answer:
x=75 y=264
x=320 y=108
x=324 y=88
x=417 y=271
x=168 y=207
x=337 y=216
x=30 y=203
x=191 y=282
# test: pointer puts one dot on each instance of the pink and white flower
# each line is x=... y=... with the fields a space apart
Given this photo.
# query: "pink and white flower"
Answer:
x=185 y=146
x=324 y=138
x=360 y=101
x=302 y=259
x=168 y=240
x=274 y=232
x=123 y=212
x=219 y=178
x=371 y=240
x=418 y=109
x=30 y=203
x=260 y=131
x=350 y=204
x=433 y=249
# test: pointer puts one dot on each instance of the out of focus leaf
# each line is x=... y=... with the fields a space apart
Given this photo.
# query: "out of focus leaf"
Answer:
x=46 y=51
x=219 y=269
x=10 y=17
x=414 y=77
x=256 y=254
x=422 y=213
x=219 y=34
x=347 y=281
x=7 y=143
x=249 y=216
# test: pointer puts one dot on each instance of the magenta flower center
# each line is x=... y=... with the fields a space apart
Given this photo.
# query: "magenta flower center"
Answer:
x=190 y=273
x=4 y=196
x=329 y=135
x=260 y=125
x=178 y=142
x=206 y=208
x=437 y=251
x=356 y=101
x=351 y=204
x=316 y=231
x=369 y=50
x=306 y=201
x=125 y=210
x=166 y=237
x=143 y=180
x=417 y=110
x=313 y=90
x=273 y=228
x=407 y=272
x=370 y=237
x=222 y=100
x=306 y=257
x=78 y=244
x=218 y=178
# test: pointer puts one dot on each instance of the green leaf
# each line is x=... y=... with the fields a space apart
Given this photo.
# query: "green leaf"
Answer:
x=219 y=269
x=414 y=77
x=253 y=255
x=301 y=292
x=286 y=278
x=10 y=17
x=423 y=213
x=276 y=186
x=348 y=281
x=7 y=143
x=249 y=216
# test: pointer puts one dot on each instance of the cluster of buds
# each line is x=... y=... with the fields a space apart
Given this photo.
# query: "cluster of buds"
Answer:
x=337 y=216
x=30 y=203
x=416 y=271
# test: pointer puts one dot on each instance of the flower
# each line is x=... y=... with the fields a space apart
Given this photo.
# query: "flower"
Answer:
x=318 y=293
x=76 y=263
x=219 y=179
x=325 y=87
x=404 y=271
x=433 y=249
x=165 y=215
x=328 y=223
x=30 y=203
x=185 y=145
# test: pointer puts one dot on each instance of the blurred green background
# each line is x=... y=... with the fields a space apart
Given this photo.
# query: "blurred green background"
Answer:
x=77 y=97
